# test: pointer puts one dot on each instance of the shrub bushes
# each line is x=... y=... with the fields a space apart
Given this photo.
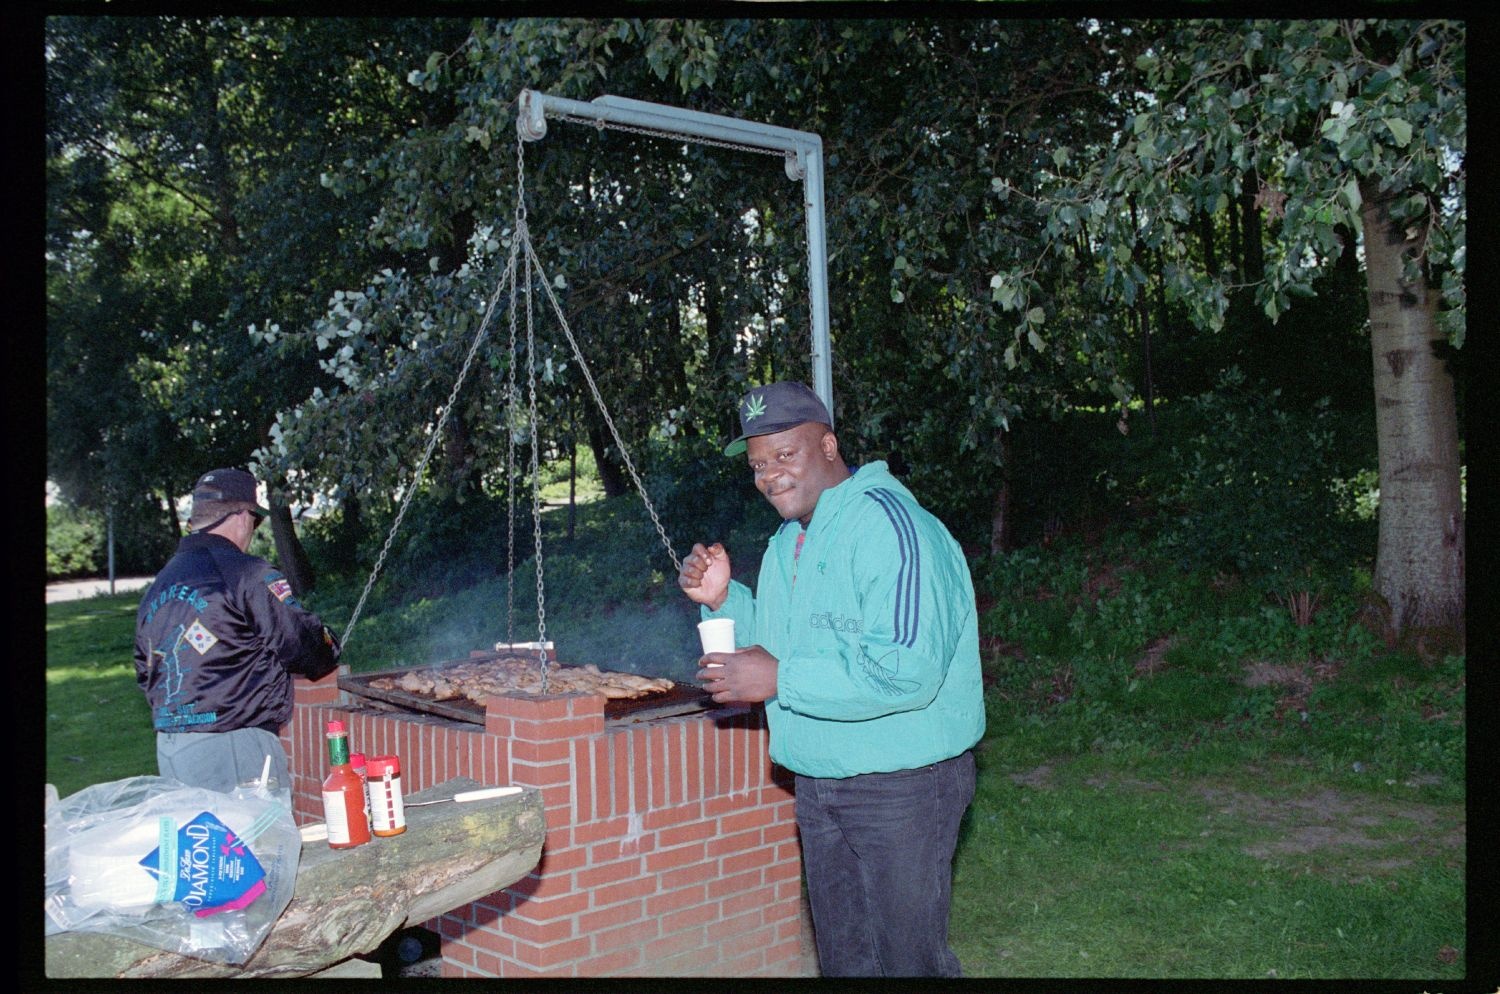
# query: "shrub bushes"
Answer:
x=1251 y=488
x=75 y=542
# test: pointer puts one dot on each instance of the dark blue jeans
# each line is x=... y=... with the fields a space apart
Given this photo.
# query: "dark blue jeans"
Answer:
x=877 y=852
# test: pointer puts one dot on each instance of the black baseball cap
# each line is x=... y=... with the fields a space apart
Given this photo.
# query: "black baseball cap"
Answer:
x=229 y=487
x=776 y=407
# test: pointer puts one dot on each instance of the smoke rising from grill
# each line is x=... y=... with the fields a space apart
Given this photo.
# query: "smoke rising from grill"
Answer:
x=654 y=640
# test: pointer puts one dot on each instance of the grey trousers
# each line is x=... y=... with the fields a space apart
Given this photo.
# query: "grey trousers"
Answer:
x=221 y=760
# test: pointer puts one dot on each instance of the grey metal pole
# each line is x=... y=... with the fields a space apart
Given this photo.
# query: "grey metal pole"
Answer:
x=109 y=524
x=817 y=278
x=531 y=125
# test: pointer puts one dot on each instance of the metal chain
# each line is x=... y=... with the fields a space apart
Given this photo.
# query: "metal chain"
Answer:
x=536 y=476
x=510 y=449
x=510 y=402
x=604 y=409
x=535 y=272
x=432 y=440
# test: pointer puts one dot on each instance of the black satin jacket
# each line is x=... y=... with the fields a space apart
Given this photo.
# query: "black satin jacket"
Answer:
x=218 y=636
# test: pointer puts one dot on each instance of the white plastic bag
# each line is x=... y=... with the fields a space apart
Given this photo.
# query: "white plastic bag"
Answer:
x=185 y=869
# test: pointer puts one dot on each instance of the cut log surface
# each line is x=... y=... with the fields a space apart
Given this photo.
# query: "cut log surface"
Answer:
x=347 y=901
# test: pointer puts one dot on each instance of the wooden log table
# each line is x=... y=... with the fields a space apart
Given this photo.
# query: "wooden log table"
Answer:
x=347 y=901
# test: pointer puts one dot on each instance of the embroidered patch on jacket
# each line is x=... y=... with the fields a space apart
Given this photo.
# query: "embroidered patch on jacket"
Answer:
x=280 y=588
x=200 y=638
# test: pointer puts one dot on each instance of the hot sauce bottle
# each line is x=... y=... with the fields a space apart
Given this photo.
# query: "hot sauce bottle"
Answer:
x=343 y=795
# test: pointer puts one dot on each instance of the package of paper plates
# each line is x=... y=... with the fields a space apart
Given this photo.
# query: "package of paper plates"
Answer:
x=181 y=868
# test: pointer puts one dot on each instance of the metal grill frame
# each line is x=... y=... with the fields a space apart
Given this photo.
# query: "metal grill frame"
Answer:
x=681 y=699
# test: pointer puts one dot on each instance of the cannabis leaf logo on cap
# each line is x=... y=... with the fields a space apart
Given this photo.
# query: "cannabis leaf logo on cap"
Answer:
x=755 y=406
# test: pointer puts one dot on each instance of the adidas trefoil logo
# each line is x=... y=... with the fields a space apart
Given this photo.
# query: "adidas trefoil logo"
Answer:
x=755 y=406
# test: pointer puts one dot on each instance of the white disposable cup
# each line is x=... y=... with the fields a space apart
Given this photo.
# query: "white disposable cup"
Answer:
x=717 y=634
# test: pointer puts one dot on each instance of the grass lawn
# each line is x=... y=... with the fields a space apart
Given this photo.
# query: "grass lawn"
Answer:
x=1079 y=868
x=1181 y=782
x=98 y=724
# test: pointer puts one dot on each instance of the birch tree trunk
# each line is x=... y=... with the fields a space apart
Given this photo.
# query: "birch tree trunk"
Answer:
x=1419 y=566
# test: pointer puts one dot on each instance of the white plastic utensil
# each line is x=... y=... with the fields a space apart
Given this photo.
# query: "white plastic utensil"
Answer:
x=464 y=796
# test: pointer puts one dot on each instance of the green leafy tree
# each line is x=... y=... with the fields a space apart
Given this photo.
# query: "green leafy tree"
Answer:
x=941 y=131
x=184 y=215
x=685 y=266
x=640 y=253
x=1330 y=127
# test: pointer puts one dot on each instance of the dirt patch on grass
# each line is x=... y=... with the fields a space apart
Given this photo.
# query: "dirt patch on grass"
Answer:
x=1153 y=659
x=1347 y=835
x=1325 y=821
x=1295 y=683
x=1039 y=777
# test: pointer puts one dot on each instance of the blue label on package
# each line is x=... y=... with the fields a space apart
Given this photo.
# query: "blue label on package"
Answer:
x=209 y=869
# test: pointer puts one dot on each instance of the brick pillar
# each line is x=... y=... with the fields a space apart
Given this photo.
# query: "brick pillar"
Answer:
x=671 y=849
x=303 y=739
x=541 y=909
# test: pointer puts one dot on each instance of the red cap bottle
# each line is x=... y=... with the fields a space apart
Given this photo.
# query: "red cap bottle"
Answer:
x=343 y=794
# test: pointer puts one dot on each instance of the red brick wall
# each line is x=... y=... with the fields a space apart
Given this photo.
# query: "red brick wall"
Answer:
x=671 y=845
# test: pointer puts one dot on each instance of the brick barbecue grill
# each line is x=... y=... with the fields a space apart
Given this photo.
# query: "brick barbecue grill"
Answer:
x=671 y=845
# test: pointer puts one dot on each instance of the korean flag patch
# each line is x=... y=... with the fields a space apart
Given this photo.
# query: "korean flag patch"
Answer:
x=200 y=638
x=280 y=588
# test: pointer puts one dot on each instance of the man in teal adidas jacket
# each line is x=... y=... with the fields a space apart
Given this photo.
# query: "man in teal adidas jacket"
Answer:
x=862 y=640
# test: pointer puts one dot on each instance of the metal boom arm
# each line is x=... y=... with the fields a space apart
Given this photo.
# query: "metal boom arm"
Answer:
x=804 y=162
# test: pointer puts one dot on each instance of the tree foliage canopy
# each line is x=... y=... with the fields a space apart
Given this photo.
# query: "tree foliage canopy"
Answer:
x=277 y=238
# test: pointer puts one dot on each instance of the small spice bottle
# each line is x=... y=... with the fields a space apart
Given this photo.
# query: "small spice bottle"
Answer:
x=387 y=809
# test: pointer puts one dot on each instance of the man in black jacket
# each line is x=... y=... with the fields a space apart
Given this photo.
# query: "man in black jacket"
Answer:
x=217 y=639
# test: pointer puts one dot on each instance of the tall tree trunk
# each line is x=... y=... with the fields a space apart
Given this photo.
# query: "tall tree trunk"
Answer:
x=167 y=507
x=611 y=472
x=290 y=556
x=675 y=352
x=720 y=364
x=720 y=339
x=1000 y=518
x=1161 y=328
x=1252 y=244
x=1232 y=249
x=1206 y=242
x=461 y=470
x=1419 y=564
x=572 y=470
x=350 y=530
x=1143 y=315
x=220 y=174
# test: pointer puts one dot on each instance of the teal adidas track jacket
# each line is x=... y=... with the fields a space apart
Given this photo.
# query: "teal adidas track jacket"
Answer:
x=875 y=632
